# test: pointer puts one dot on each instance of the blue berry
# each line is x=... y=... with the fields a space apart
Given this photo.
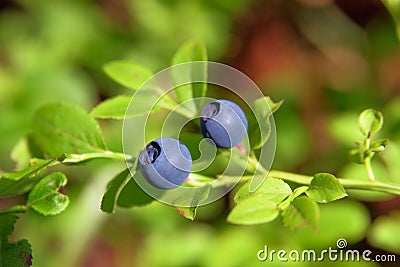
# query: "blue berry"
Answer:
x=224 y=122
x=165 y=163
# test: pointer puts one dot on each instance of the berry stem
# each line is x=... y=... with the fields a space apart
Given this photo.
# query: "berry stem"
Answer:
x=252 y=161
x=306 y=180
x=368 y=167
x=367 y=160
x=73 y=158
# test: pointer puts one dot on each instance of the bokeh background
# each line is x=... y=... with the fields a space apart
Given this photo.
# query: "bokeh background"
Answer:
x=327 y=59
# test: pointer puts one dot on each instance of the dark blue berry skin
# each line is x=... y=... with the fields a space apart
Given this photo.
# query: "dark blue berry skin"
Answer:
x=165 y=163
x=224 y=122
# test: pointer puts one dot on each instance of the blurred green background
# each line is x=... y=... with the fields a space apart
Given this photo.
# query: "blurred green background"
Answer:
x=327 y=59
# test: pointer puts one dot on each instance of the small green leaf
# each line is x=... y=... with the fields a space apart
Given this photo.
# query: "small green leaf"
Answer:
x=370 y=122
x=20 y=182
x=253 y=210
x=193 y=50
x=17 y=254
x=110 y=197
x=357 y=155
x=45 y=198
x=64 y=128
x=36 y=166
x=127 y=73
x=272 y=189
x=297 y=192
x=187 y=212
x=193 y=200
x=133 y=196
x=112 y=108
x=273 y=106
x=7 y=222
x=325 y=187
x=302 y=211
x=259 y=115
x=117 y=107
x=378 y=146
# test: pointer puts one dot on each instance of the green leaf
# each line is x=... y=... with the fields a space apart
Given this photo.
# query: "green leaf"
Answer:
x=253 y=210
x=194 y=201
x=272 y=189
x=132 y=195
x=117 y=107
x=36 y=166
x=14 y=209
x=187 y=212
x=394 y=8
x=259 y=120
x=128 y=74
x=20 y=182
x=302 y=211
x=370 y=122
x=112 y=108
x=357 y=155
x=325 y=187
x=385 y=232
x=45 y=198
x=193 y=50
x=17 y=254
x=297 y=192
x=7 y=225
x=378 y=146
x=110 y=197
x=64 y=128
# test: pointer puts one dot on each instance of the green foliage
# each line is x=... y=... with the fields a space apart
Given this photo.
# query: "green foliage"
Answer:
x=45 y=197
x=114 y=108
x=193 y=50
x=132 y=195
x=253 y=210
x=187 y=212
x=7 y=225
x=370 y=122
x=124 y=192
x=325 y=187
x=19 y=182
x=193 y=201
x=260 y=113
x=114 y=188
x=272 y=189
x=128 y=74
x=117 y=107
x=16 y=254
x=64 y=128
x=65 y=134
x=302 y=211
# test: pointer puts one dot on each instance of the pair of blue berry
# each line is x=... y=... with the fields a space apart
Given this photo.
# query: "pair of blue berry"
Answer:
x=166 y=163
